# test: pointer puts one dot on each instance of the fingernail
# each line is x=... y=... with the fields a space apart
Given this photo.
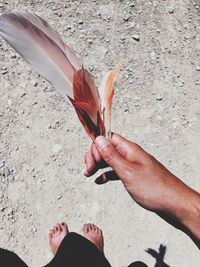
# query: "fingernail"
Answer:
x=101 y=142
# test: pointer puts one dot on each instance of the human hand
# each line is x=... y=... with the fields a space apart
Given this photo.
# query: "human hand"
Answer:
x=147 y=181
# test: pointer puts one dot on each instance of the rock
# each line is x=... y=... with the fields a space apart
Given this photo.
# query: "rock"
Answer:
x=13 y=55
x=56 y=148
x=171 y=10
x=59 y=197
x=159 y=98
x=198 y=68
x=91 y=68
x=58 y=14
x=2 y=163
x=132 y=24
x=90 y=41
x=122 y=38
x=136 y=37
x=22 y=94
x=7 y=172
x=126 y=17
x=9 y=211
x=4 y=71
x=34 y=230
x=2 y=208
x=181 y=83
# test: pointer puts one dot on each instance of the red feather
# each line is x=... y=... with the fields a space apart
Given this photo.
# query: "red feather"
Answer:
x=87 y=103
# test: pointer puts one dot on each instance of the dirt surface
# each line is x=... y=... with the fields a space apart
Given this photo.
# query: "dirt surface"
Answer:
x=157 y=105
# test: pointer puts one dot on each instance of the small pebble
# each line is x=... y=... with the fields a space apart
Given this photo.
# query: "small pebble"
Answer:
x=132 y=24
x=126 y=18
x=7 y=172
x=2 y=163
x=13 y=55
x=181 y=83
x=136 y=37
x=89 y=41
x=4 y=71
x=56 y=148
x=22 y=94
x=9 y=211
x=171 y=10
x=2 y=208
x=159 y=98
x=34 y=230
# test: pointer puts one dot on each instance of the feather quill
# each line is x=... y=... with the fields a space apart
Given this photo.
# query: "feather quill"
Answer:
x=42 y=47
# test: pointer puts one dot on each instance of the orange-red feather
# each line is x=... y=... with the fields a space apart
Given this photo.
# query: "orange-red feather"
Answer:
x=87 y=103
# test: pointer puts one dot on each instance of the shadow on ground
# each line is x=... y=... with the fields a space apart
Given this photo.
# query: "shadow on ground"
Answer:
x=158 y=256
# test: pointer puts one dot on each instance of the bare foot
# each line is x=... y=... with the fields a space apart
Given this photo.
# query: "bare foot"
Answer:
x=56 y=236
x=94 y=234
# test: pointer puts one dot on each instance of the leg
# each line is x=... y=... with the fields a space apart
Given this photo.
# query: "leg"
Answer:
x=10 y=259
x=75 y=250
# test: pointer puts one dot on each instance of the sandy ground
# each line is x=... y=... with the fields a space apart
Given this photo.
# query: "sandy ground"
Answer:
x=157 y=105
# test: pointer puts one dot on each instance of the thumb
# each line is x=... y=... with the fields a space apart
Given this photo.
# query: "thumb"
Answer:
x=111 y=155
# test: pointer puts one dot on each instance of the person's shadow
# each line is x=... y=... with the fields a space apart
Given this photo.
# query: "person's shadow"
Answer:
x=159 y=257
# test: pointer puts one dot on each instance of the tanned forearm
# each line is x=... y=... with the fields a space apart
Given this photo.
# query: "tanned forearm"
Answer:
x=148 y=182
x=185 y=215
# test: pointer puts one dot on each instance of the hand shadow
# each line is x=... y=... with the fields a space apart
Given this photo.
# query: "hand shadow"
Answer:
x=159 y=256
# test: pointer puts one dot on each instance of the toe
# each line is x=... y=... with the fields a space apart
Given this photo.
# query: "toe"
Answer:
x=50 y=235
x=64 y=227
x=58 y=226
x=87 y=228
x=94 y=227
x=84 y=229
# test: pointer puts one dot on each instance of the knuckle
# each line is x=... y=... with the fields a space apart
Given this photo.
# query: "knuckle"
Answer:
x=135 y=146
x=110 y=155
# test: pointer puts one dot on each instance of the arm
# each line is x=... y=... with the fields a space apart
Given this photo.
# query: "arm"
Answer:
x=147 y=181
